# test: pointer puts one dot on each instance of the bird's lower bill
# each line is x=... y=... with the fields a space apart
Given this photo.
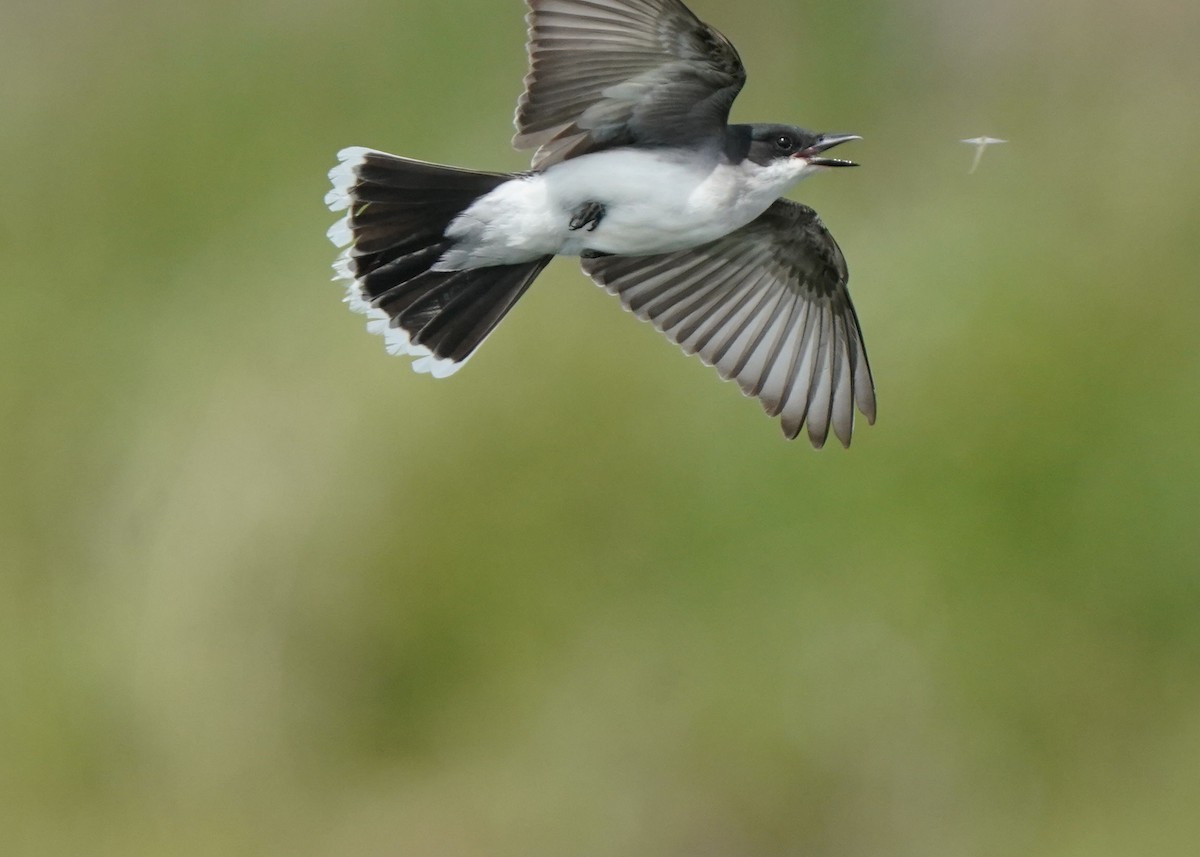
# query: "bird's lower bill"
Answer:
x=829 y=162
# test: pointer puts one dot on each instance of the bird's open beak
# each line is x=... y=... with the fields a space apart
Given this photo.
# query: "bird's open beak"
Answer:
x=824 y=142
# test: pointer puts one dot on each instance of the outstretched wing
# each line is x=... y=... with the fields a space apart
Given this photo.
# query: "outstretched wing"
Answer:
x=767 y=306
x=606 y=73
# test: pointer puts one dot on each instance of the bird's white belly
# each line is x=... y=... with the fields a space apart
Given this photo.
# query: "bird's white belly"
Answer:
x=634 y=227
x=651 y=205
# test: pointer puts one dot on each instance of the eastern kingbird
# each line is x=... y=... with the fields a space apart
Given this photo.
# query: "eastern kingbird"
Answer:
x=637 y=171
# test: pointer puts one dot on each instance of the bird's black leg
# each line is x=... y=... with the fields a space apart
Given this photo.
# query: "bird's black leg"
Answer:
x=589 y=214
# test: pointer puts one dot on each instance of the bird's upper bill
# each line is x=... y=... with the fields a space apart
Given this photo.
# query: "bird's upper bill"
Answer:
x=823 y=143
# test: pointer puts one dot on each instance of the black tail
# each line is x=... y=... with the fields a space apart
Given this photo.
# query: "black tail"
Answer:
x=394 y=232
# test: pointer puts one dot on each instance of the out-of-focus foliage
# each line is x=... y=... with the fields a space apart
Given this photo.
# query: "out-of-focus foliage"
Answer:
x=264 y=591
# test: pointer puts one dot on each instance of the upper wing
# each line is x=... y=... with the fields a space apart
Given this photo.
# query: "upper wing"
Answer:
x=767 y=306
x=606 y=73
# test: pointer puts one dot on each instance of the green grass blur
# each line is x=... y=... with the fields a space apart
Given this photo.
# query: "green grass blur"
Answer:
x=265 y=591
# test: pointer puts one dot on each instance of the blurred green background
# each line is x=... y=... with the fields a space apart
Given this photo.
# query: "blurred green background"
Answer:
x=265 y=591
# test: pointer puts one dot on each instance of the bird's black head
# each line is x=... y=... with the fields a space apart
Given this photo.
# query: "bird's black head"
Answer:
x=764 y=144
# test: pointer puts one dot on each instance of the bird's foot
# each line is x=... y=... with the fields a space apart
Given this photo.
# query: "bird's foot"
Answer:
x=587 y=215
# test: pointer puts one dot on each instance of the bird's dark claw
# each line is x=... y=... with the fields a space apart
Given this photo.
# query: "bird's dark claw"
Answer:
x=589 y=214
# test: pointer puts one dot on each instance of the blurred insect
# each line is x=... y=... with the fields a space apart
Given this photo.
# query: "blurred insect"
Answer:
x=981 y=143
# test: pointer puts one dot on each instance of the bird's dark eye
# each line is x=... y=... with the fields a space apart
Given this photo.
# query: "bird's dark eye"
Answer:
x=784 y=143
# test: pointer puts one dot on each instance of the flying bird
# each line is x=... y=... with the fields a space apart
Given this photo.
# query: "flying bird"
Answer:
x=637 y=171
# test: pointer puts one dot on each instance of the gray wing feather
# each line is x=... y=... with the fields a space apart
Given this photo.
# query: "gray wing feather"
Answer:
x=767 y=306
x=606 y=73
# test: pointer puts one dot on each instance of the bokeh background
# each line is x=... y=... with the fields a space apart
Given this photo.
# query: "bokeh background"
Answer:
x=265 y=591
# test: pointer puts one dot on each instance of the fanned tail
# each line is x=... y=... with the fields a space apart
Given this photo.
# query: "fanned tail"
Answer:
x=397 y=212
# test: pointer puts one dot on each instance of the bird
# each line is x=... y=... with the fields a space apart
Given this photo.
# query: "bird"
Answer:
x=637 y=170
